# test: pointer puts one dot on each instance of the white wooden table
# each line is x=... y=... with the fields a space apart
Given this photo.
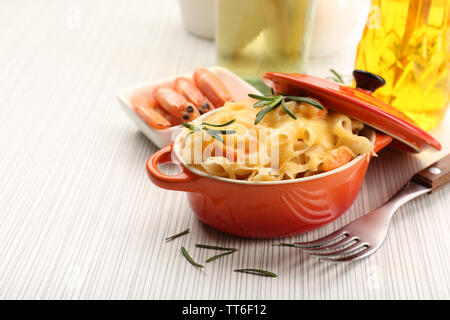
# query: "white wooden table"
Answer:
x=79 y=217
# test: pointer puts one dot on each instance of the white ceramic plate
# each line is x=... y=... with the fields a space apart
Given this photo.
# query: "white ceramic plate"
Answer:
x=239 y=90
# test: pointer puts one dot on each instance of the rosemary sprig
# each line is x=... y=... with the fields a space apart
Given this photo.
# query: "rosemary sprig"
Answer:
x=221 y=255
x=218 y=125
x=259 y=97
x=336 y=76
x=270 y=103
x=310 y=101
x=189 y=258
x=257 y=272
x=286 y=109
x=215 y=133
x=182 y=233
x=270 y=107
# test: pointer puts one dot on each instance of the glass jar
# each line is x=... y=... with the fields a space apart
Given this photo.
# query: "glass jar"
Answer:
x=407 y=42
x=255 y=36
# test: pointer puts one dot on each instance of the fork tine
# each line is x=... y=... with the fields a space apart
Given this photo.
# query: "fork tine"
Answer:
x=322 y=241
x=359 y=255
x=345 y=250
x=334 y=245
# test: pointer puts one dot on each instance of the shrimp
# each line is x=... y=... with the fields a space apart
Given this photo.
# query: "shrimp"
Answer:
x=212 y=87
x=173 y=120
x=147 y=112
x=337 y=157
x=175 y=104
x=188 y=89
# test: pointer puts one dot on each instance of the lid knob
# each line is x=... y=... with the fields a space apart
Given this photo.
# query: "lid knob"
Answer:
x=368 y=81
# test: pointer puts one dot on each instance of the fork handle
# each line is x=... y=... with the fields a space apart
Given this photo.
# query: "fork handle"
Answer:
x=436 y=175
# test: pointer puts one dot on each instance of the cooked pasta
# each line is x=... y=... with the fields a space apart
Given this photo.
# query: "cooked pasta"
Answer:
x=277 y=148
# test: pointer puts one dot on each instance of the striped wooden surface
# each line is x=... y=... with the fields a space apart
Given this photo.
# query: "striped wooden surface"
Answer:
x=78 y=215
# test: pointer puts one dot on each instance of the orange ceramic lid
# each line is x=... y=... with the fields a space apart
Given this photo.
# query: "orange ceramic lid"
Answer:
x=358 y=103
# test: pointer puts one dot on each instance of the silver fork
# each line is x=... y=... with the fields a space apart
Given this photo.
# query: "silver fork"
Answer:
x=364 y=236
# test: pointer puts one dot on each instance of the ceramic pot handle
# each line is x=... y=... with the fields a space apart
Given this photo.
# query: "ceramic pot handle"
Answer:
x=179 y=182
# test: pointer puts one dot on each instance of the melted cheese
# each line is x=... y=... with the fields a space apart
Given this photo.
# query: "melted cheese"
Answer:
x=278 y=148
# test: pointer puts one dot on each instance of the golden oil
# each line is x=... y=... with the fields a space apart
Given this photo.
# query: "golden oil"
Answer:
x=407 y=42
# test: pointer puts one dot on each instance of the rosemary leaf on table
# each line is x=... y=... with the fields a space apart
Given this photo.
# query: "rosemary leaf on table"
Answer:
x=189 y=258
x=221 y=255
x=283 y=244
x=257 y=272
x=207 y=246
x=182 y=233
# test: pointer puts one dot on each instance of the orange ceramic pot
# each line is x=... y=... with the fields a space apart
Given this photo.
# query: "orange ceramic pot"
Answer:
x=284 y=208
x=265 y=209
